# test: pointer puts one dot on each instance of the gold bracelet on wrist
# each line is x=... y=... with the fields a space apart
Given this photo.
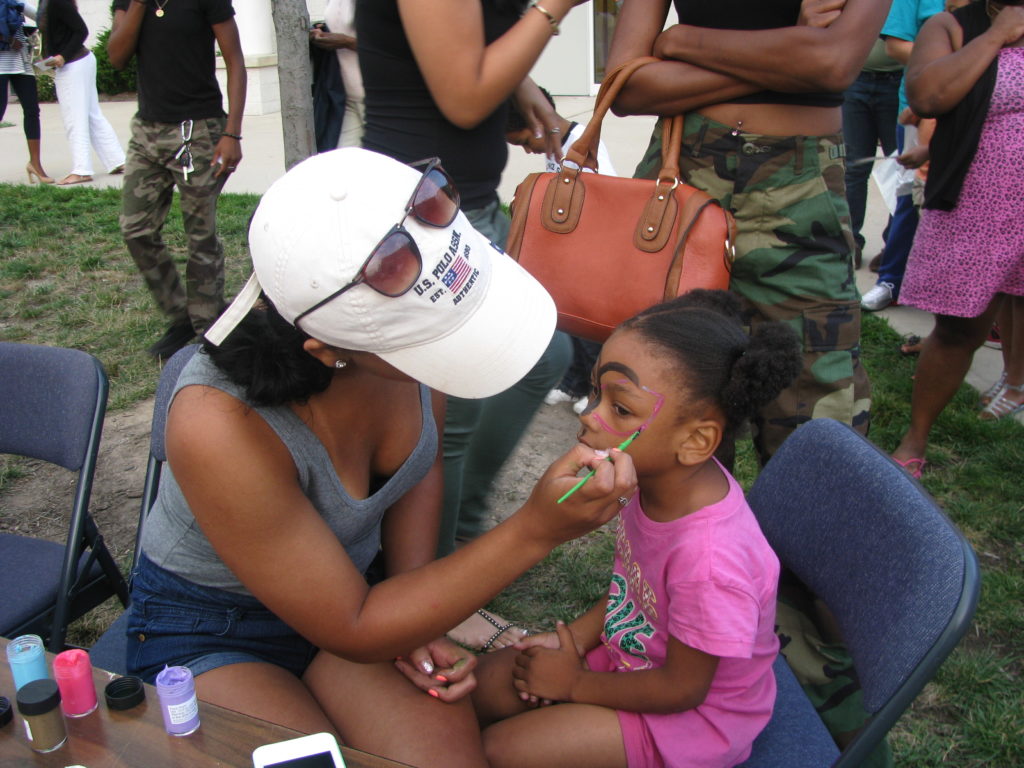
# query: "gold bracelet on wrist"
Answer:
x=549 y=16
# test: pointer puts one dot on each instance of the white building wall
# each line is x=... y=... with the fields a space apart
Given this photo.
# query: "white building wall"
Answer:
x=565 y=68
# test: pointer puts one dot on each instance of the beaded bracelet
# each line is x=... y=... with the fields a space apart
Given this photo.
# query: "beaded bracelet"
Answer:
x=234 y=136
x=550 y=17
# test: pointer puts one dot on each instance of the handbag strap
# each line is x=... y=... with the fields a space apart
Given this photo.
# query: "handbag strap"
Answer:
x=585 y=147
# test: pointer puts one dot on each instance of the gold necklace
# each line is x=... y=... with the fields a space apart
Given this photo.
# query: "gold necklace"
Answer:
x=160 y=7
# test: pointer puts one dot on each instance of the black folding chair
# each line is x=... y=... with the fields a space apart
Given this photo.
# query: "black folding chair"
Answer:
x=900 y=579
x=52 y=403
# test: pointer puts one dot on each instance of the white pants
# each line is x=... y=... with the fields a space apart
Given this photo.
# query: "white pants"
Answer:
x=353 y=124
x=84 y=123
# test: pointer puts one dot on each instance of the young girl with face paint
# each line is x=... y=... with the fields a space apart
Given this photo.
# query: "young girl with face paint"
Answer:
x=690 y=610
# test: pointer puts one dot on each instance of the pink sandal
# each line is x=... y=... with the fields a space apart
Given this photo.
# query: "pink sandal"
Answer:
x=913 y=466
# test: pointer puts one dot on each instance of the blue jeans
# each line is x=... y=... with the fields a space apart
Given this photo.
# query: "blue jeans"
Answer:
x=870 y=108
x=900 y=238
x=177 y=622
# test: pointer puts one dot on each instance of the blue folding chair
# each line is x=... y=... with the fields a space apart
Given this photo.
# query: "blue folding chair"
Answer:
x=52 y=404
x=900 y=579
x=109 y=650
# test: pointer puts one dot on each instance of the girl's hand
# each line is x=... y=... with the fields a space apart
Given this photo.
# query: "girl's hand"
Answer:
x=819 y=13
x=540 y=640
x=1009 y=24
x=548 y=640
x=546 y=673
x=441 y=668
x=590 y=507
x=56 y=61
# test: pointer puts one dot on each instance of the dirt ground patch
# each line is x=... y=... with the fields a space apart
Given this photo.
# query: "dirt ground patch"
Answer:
x=36 y=504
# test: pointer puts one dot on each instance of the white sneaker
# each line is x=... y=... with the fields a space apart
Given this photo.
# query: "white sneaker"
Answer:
x=556 y=396
x=581 y=405
x=879 y=297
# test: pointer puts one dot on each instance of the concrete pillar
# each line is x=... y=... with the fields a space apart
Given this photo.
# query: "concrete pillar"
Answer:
x=255 y=27
x=259 y=44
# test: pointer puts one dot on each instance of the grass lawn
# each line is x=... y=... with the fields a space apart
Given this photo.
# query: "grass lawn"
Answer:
x=66 y=279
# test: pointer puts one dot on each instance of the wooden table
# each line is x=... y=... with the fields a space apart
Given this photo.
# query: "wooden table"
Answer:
x=135 y=738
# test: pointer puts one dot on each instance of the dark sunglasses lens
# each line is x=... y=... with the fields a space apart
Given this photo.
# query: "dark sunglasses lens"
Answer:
x=395 y=265
x=437 y=200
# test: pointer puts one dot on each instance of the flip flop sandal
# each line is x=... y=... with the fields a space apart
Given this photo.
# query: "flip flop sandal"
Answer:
x=502 y=629
x=992 y=392
x=911 y=345
x=1001 y=406
x=914 y=467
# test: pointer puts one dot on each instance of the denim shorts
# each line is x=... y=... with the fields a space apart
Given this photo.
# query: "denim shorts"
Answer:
x=173 y=621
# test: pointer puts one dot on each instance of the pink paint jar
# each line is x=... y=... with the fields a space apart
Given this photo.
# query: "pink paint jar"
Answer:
x=73 y=672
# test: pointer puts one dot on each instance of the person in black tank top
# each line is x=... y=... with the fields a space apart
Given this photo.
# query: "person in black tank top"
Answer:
x=438 y=76
x=761 y=84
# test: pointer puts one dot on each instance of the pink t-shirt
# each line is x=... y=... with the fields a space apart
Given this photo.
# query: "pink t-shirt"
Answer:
x=709 y=579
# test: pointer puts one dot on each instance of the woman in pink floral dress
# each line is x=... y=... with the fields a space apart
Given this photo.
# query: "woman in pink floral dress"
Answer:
x=967 y=70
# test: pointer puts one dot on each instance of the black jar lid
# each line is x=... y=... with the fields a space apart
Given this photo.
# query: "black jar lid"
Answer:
x=5 y=711
x=124 y=693
x=38 y=697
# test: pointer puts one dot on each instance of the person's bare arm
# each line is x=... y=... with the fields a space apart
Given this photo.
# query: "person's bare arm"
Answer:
x=560 y=675
x=240 y=482
x=899 y=49
x=790 y=59
x=469 y=80
x=229 y=149
x=942 y=70
x=331 y=41
x=666 y=87
x=124 y=34
x=684 y=82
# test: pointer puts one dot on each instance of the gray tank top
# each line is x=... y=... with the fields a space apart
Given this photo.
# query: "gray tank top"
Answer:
x=172 y=539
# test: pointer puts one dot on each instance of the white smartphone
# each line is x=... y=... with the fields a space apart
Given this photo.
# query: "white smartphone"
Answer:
x=319 y=750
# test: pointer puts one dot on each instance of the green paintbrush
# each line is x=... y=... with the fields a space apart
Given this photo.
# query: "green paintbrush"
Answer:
x=622 y=446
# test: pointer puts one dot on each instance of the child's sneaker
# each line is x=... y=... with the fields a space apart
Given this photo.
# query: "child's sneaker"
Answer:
x=581 y=405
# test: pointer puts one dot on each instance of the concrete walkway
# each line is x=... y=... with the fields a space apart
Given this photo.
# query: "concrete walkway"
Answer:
x=263 y=162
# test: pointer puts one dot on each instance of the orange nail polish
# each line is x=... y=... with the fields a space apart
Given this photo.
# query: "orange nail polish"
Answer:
x=442 y=678
x=434 y=693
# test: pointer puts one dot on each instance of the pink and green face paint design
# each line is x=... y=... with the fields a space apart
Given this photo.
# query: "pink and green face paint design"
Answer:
x=630 y=379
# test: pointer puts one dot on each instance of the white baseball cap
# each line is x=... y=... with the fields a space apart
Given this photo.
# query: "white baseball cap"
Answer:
x=473 y=325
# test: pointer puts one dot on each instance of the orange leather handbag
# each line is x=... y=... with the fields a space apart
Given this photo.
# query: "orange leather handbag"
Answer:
x=607 y=247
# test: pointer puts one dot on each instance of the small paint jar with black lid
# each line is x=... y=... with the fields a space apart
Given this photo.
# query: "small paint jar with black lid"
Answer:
x=39 y=707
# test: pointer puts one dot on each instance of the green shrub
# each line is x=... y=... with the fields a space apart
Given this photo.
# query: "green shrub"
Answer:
x=109 y=80
x=44 y=84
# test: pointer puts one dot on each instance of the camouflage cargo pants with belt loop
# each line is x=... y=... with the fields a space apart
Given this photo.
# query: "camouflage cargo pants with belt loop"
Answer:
x=152 y=171
x=794 y=259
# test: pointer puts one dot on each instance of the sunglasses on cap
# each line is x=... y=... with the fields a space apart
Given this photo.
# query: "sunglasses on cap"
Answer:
x=394 y=265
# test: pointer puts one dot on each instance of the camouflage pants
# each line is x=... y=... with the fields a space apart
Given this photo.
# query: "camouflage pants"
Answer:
x=794 y=259
x=151 y=174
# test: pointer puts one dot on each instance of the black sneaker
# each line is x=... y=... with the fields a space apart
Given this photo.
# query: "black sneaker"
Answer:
x=178 y=334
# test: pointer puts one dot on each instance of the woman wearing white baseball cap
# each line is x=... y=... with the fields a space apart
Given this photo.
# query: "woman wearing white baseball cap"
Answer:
x=304 y=437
